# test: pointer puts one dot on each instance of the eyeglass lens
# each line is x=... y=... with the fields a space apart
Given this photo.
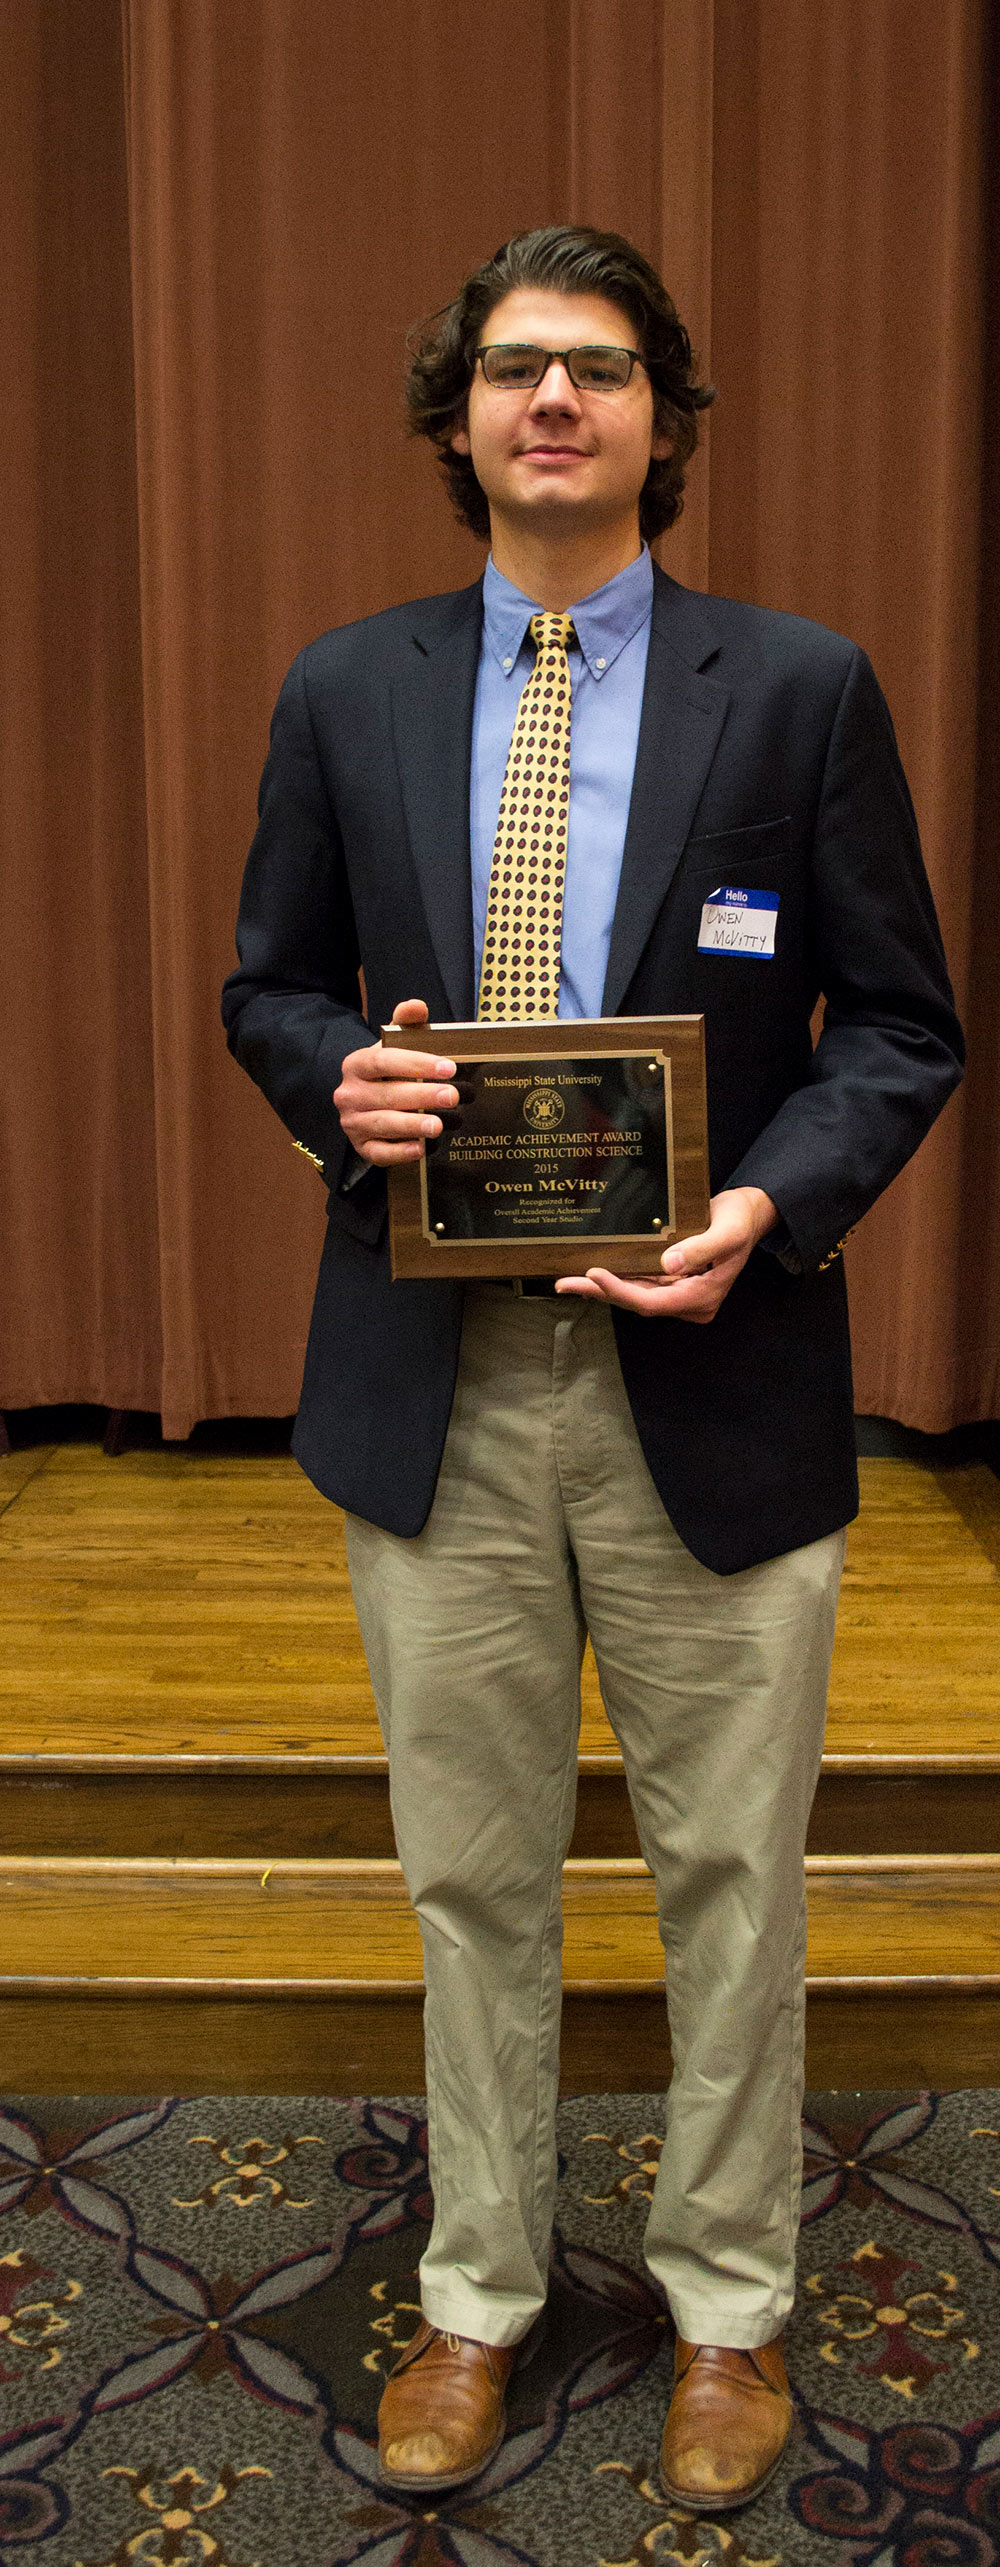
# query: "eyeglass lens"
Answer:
x=520 y=369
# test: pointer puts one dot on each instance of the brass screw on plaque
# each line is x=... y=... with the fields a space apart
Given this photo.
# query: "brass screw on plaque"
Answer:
x=439 y=1229
x=651 y=1065
x=657 y=1223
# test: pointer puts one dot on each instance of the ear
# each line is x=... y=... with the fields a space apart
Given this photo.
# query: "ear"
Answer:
x=662 y=445
x=459 y=440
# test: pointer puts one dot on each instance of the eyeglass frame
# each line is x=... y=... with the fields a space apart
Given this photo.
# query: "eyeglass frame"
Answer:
x=561 y=356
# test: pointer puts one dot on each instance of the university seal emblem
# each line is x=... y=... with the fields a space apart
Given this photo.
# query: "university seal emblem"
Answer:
x=544 y=1108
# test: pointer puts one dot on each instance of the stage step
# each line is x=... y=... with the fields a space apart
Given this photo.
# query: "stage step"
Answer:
x=306 y=1977
x=324 y=1807
x=191 y=1770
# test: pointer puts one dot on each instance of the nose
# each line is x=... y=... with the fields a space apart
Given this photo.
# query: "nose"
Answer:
x=555 y=389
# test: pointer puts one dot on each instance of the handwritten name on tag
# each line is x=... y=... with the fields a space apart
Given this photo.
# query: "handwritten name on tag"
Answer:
x=739 y=922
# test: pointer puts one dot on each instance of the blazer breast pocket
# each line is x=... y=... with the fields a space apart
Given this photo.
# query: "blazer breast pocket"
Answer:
x=751 y=874
x=762 y=842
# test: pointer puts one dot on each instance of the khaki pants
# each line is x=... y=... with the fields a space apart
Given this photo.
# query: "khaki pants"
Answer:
x=546 y=1525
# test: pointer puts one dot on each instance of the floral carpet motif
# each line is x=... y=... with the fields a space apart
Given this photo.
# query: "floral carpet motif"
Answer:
x=199 y=2302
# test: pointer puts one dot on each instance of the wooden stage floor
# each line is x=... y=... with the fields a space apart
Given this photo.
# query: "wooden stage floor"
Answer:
x=186 y=1604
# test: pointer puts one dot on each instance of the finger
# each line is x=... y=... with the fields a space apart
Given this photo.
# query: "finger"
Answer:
x=410 y=1011
x=653 y=1297
x=384 y=1125
x=396 y=1096
x=608 y=1282
x=598 y=1284
x=419 y=1068
x=629 y=1292
x=389 y=1154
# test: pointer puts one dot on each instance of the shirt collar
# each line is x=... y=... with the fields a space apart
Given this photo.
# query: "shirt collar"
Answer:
x=603 y=622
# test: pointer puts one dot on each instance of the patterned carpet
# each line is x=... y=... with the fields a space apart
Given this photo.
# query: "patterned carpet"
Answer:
x=199 y=2301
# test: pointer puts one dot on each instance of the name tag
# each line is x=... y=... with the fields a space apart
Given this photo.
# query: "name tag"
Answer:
x=739 y=922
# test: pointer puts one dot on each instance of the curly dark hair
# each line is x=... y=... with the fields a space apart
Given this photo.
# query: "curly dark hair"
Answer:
x=571 y=259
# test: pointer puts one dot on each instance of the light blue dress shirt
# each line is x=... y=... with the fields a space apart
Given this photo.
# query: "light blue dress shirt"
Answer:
x=608 y=669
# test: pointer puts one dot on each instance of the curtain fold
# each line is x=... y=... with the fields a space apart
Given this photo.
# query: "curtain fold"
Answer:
x=223 y=217
x=850 y=327
x=79 y=1303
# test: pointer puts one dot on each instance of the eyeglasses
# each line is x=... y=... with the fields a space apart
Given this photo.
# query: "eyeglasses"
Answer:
x=522 y=369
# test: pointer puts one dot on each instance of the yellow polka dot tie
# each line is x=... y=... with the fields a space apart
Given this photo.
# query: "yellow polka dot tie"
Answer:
x=520 y=967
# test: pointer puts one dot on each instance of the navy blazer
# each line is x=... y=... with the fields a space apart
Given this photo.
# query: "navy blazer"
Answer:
x=767 y=759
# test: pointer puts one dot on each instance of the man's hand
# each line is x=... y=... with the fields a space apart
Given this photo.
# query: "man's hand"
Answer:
x=390 y=1103
x=697 y=1274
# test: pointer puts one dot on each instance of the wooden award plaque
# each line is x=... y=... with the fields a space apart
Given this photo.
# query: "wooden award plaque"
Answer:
x=580 y=1142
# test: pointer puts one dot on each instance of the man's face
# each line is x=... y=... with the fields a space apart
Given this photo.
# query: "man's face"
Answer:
x=556 y=458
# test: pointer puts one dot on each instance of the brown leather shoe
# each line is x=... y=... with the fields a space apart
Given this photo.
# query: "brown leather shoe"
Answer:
x=441 y=2419
x=727 y=2424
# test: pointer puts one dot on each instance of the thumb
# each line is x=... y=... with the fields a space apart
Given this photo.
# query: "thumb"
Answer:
x=703 y=1249
x=410 y=1011
x=691 y=1256
x=730 y=1233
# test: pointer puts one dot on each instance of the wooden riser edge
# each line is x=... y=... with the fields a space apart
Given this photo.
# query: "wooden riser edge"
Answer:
x=44 y=1766
x=137 y=1990
x=309 y=2043
x=194 y=1921
x=343 y=1812
x=58 y=1765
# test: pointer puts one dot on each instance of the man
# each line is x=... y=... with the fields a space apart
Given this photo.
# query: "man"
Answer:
x=520 y=1466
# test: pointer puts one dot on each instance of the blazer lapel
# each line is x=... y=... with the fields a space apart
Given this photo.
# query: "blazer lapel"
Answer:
x=682 y=717
x=432 y=707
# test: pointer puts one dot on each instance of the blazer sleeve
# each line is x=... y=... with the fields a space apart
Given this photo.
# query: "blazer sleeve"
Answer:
x=293 y=1009
x=891 y=1050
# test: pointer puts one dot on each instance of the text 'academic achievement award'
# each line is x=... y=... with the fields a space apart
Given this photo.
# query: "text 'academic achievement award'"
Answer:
x=576 y=1142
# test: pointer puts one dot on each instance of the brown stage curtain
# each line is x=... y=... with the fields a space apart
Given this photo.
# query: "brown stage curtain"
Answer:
x=223 y=216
